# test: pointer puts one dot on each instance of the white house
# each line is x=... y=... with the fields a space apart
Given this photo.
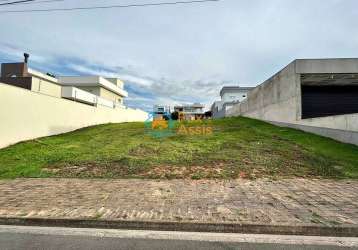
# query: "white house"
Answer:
x=230 y=95
x=93 y=90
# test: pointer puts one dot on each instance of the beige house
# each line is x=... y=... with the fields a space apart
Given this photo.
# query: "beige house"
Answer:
x=92 y=90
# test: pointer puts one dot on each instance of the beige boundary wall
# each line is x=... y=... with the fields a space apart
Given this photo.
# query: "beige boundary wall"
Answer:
x=26 y=115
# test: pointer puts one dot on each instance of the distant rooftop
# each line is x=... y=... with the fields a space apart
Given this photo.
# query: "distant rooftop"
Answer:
x=195 y=105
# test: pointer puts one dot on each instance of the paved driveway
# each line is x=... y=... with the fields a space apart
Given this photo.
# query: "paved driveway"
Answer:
x=284 y=202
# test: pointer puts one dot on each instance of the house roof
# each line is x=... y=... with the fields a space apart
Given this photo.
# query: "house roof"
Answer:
x=38 y=74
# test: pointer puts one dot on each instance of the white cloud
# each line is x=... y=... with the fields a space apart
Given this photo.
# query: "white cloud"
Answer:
x=134 y=79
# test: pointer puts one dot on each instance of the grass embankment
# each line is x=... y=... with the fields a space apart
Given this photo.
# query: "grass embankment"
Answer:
x=238 y=147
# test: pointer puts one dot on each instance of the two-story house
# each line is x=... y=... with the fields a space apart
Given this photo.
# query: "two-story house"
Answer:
x=230 y=95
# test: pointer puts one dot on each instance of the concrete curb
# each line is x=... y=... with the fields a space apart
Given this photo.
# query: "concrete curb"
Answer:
x=305 y=230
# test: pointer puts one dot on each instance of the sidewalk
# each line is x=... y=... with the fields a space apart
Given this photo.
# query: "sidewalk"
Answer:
x=297 y=202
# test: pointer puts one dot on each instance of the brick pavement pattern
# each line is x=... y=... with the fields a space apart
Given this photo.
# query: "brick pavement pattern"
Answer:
x=283 y=202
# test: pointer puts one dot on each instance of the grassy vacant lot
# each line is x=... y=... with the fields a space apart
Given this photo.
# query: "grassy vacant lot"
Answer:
x=238 y=147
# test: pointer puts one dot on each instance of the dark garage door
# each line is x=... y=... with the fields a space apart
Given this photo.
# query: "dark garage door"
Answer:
x=319 y=101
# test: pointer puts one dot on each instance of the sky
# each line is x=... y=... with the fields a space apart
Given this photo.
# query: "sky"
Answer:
x=179 y=54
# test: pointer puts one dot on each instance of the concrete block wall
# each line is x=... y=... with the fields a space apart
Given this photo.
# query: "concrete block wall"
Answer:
x=26 y=115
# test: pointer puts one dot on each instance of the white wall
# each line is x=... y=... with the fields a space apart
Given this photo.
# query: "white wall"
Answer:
x=45 y=87
x=234 y=96
x=27 y=115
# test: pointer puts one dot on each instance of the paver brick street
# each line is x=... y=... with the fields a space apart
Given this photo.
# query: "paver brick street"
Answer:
x=282 y=202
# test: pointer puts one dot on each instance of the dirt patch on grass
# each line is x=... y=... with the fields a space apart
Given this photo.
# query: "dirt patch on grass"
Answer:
x=117 y=170
x=91 y=170
x=143 y=150
x=183 y=172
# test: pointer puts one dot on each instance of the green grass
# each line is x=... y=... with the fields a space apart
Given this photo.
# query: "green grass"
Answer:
x=238 y=147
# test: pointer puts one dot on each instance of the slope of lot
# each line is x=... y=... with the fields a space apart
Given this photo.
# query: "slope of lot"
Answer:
x=237 y=148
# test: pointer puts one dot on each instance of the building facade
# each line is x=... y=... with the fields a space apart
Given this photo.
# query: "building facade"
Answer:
x=105 y=89
x=230 y=95
x=190 y=112
x=161 y=110
x=91 y=90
